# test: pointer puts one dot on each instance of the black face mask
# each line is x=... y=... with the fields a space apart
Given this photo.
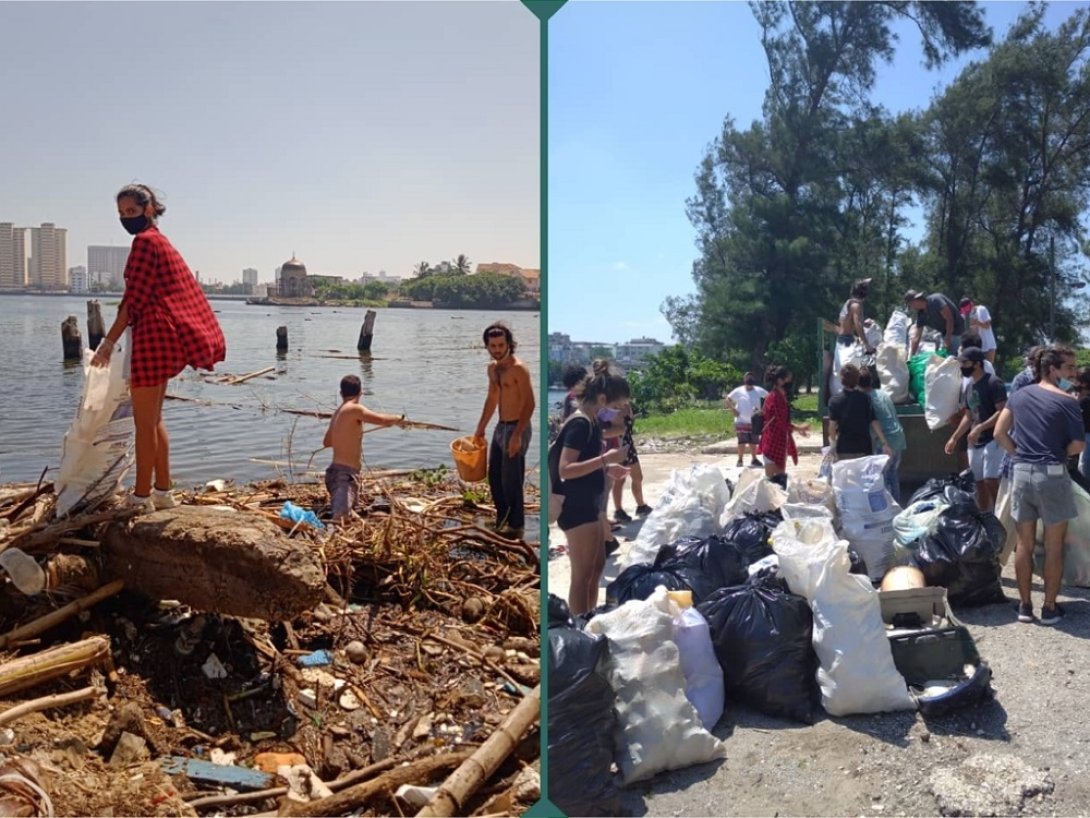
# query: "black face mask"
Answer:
x=967 y=371
x=135 y=224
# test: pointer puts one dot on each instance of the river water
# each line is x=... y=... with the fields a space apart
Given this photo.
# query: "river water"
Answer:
x=428 y=364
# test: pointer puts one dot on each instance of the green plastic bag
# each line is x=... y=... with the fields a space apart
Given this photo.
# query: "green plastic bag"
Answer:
x=917 y=367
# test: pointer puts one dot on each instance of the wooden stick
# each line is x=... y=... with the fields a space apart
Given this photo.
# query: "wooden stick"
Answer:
x=44 y=623
x=47 y=702
x=28 y=671
x=243 y=378
x=79 y=542
x=475 y=770
x=357 y=796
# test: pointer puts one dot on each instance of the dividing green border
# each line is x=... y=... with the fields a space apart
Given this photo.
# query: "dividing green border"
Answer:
x=543 y=10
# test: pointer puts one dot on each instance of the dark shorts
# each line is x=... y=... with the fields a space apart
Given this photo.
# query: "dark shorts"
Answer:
x=579 y=509
x=745 y=434
x=342 y=483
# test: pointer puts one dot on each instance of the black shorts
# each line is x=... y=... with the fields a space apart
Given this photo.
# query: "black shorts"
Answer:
x=579 y=509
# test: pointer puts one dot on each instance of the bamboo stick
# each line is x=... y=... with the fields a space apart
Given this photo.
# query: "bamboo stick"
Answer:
x=475 y=770
x=28 y=671
x=243 y=378
x=357 y=796
x=44 y=623
x=47 y=702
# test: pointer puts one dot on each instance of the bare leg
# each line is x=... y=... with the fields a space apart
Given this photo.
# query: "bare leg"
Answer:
x=162 y=448
x=990 y=355
x=1054 y=560
x=147 y=405
x=1023 y=559
x=991 y=494
x=618 y=494
x=584 y=553
x=636 y=474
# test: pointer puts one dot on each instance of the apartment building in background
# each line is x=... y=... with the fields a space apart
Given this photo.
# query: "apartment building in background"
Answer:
x=12 y=256
x=77 y=279
x=47 y=267
x=106 y=265
x=249 y=279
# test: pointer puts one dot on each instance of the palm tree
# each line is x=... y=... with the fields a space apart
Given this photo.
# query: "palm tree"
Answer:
x=462 y=264
x=422 y=270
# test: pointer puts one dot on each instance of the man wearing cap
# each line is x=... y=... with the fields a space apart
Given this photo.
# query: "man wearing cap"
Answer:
x=850 y=322
x=938 y=312
x=980 y=321
x=984 y=400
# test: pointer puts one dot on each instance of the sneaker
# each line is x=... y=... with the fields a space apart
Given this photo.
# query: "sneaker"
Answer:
x=621 y=516
x=739 y=463
x=512 y=533
x=643 y=511
x=611 y=547
x=755 y=464
x=1025 y=612
x=163 y=498
x=143 y=504
x=1050 y=616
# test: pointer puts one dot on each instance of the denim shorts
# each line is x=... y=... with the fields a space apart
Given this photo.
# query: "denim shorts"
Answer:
x=986 y=461
x=1040 y=492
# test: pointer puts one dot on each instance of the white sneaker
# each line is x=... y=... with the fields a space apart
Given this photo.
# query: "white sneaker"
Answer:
x=145 y=504
x=163 y=499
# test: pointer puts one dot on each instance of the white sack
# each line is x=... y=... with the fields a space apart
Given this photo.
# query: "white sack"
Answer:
x=703 y=673
x=690 y=506
x=658 y=728
x=753 y=493
x=1076 y=543
x=1005 y=513
x=856 y=673
x=896 y=333
x=98 y=446
x=893 y=375
x=844 y=354
x=942 y=383
x=866 y=510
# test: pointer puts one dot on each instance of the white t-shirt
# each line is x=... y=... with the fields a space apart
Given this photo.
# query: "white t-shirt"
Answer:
x=747 y=401
x=987 y=337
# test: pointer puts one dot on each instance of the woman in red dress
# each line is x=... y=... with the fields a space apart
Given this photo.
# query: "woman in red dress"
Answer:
x=777 y=441
x=172 y=326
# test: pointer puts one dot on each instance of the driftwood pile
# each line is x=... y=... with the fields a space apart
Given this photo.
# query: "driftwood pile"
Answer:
x=403 y=680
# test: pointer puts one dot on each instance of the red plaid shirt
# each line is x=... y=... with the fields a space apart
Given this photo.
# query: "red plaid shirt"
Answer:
x=776 y=439
x=172 y=323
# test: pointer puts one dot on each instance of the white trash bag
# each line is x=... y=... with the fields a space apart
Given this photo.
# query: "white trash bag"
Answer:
x=658 y=728
x=1076 y=543
x=866 y=510
x=754 y=493
x=843 y=355
x=856 y=673
x=703 y=673
x=942 y=383
x=893 y=371
x=98 y=446
x=896 y=333
x=690 y=506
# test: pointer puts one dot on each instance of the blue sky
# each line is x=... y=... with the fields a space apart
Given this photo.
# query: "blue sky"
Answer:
x=361 y=136
x=636 y=93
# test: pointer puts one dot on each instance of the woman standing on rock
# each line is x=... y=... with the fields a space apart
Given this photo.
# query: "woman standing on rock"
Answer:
x=172 y=326
x=777 y=441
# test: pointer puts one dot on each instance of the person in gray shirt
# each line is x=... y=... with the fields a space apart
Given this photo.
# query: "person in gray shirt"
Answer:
x=1040 y=427
x=938 y=312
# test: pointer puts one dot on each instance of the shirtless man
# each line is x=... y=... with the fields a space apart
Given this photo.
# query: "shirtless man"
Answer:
x=511 y=390
x=345 y=435
x=849 y=324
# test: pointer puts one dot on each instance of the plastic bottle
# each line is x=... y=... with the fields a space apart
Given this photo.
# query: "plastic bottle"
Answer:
x=24 y=571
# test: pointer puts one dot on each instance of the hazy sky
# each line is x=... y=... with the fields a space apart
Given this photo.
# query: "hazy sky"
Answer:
x=636 y=93
x=362 y=136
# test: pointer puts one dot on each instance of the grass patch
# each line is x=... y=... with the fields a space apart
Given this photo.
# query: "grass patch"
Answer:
x=710 y=419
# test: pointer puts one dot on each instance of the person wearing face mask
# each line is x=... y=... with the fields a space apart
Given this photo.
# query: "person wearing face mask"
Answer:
x=583 y=468
x=980 y=322
x=777 y=442
x=743 y=401
x=173 y=326
x=984 y=399
x=511 y=390
x=1040 y=427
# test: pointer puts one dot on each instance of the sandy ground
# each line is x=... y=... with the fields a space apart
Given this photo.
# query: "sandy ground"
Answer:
x=1027 y=752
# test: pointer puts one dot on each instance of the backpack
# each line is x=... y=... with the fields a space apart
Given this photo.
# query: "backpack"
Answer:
x=758 y=422
x=557 y=489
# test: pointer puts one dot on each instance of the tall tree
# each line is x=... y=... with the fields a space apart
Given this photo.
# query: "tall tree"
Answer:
x=461 y=265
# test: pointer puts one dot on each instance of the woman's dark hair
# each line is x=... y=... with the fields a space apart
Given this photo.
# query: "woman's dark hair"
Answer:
x=496 y=330
x=1050 y=357
x=865 y=380
x=774 y=373
x=601 y=366
x=573 y=376
x=849 y=376
x=142 y=195
x=971 y=338
x=614 y=387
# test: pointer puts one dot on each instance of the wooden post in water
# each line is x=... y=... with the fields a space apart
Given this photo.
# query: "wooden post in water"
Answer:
x=95 y=326
x=71 y=340
x=367 y=331
x=281 y=339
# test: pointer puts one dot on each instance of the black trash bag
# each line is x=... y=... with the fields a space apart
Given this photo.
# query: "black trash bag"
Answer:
x=751 y=531
x=935 y=488
x=581 y=724
x=559 y=613
x=705 y=564
x=859 y=565
x=639 y=582
x=962 y=555
x=762 y=637
x=582 y=619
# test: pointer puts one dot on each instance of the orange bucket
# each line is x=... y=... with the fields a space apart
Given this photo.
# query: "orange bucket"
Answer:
x=470 y=458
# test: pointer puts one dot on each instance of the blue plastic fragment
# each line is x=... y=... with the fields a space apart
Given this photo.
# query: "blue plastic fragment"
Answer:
x=239 y=778
x=316 y=659
x=292 y=512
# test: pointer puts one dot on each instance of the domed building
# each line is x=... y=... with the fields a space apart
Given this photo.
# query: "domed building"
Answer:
x=294 y=282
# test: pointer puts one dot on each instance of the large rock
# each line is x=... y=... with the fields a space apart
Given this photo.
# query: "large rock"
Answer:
x=215 y=559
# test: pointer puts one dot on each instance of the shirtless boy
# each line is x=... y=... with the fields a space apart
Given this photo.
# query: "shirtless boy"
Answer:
x=511 y=390
x=345 y=435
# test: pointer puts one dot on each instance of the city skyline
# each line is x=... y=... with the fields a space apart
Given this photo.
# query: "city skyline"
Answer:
x=347 y=132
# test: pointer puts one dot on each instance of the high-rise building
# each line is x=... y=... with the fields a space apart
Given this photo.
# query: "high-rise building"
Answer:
x=12 y=256
x=107 y=264
x=249 y=278
x=77 y=279
x=48 y=267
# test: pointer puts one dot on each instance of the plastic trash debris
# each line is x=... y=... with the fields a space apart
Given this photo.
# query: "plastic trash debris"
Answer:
x=24 y=571
x=416 y=797
x=316 y=659
x=297 y=515
x=308 y=697
x=215 y=485
x=21 y=791
x=213 y=668
x=349 y=701
x=270 y=762
x=221 y=757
